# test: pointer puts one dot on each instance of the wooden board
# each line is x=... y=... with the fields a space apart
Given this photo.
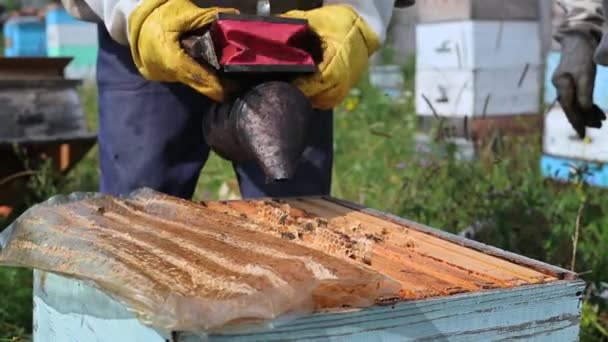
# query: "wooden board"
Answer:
x=67 y=310
x=474 y=93
x=450 y=10
x=472 y=45
x=561 y=140
x=70 y=35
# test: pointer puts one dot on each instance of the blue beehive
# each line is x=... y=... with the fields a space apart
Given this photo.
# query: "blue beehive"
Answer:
x=69 y=37
x=562 y=169
x=24 y=36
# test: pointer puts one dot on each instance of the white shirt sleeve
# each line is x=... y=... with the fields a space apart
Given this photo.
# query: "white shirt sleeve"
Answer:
x=376 y=13
x=113 y=13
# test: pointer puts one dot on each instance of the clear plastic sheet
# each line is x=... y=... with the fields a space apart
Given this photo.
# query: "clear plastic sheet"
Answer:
x=185 y=267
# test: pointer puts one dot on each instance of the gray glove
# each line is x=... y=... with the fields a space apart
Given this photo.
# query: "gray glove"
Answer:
x=575 y=80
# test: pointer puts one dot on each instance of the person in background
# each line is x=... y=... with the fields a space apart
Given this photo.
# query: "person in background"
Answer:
x=152 y=95
x=584 y=45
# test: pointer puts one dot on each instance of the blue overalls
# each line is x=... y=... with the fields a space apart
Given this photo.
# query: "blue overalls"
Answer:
x=150 y=136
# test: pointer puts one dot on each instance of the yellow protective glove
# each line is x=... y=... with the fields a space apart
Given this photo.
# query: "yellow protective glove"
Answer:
x=348 y=42
x=155 y=28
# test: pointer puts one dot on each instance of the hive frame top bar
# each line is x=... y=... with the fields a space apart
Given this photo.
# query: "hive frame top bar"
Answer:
x=554 y=271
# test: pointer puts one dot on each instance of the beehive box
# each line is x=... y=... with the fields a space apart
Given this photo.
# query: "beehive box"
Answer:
x=568 y=170
x=369 y=275
x=478 y=93
x=453 y=10
x=68 y=37
x=24 y=36
x=42 y=115
x=568 y=157
x=471 y=69
x=473 y=45
x=561 y=140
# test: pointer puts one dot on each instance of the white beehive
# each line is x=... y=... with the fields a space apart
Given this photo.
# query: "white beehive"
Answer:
x=68 y=37
x=450 y=10
x=561 y=140
x=478 y=68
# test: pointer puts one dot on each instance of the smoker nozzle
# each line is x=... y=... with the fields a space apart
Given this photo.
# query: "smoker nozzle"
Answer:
x=268 y=124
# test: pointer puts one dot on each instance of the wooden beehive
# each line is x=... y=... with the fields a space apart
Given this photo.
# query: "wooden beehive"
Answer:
x=567 y=157
x=478 y=68
x=69 y=37
x=42 y=116
x=448 y=287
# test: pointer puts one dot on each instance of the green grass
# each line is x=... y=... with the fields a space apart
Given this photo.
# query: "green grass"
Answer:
x=377 y=165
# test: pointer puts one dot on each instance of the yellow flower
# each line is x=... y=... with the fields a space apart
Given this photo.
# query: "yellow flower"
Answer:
x=351 y=103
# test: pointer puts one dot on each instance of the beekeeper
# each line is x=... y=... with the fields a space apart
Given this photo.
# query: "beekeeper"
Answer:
x=151 y=94
x=583 y=46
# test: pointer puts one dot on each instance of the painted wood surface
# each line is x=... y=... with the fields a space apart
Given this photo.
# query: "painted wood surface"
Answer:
x=69 y=37
x=24 y=36
x=484 y=92
x=561 y=140
x=446 y=10
x=70 y=310
x=560 y=169
x=59 y=36
x=472 y=45
x=600 y=94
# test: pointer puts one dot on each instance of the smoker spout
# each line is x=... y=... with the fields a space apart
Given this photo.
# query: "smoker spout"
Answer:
x=268 y=124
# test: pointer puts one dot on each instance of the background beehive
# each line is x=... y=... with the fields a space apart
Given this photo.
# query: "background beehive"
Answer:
x=69 y=37
x=478 y=71
x=564 y=151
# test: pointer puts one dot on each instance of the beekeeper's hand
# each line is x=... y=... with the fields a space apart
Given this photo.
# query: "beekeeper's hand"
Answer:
x=574 y=80
x=348 y=42
x=155 y=28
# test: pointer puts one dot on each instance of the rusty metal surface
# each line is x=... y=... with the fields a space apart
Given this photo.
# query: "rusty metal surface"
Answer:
x=181 y=266
x=269 y=124
x=32 y=68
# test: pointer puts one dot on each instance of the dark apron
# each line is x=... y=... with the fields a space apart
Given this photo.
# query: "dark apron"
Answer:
x=150 y=133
